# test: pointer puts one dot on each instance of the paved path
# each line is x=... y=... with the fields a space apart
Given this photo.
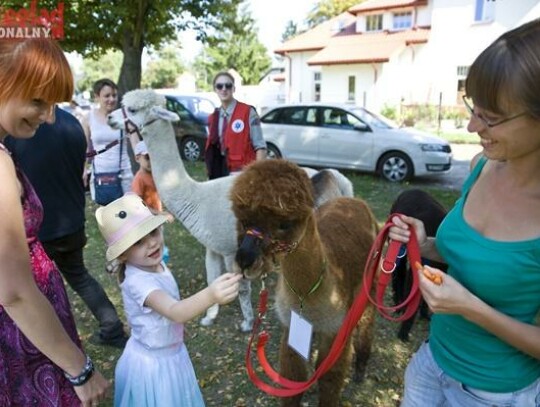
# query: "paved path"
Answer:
x=462 y=155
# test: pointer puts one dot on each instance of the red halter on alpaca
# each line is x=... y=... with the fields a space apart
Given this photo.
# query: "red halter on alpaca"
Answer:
x=289 y=387
x=278 y=246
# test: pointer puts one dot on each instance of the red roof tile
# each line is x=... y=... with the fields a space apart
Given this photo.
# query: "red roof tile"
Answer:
x=317 y=37
x=366 y=48
x=374 y=5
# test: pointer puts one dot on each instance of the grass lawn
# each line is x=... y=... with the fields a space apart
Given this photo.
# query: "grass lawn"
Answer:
x=218 y=352
x=460 y=137
x=456 y=136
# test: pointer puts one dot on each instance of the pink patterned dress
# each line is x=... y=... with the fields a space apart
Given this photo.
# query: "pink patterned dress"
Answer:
x=27 y=377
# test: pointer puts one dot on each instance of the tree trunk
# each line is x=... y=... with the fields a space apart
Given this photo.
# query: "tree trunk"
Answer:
x=130 y=72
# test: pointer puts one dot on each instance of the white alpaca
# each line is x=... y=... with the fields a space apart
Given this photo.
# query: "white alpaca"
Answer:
x=204 y=208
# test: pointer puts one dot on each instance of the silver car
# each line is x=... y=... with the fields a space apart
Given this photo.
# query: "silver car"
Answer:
x=350 y=137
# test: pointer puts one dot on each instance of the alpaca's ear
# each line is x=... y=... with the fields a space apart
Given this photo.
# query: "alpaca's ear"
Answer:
x=162 y=113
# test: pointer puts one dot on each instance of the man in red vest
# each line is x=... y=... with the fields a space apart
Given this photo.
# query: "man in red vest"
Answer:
x=235 y=136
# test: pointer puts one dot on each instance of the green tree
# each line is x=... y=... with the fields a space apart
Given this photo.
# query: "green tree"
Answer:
x=91 y=27
x=235 y=44
x=291 y=29
x=108 y=66
x=163 y=72
x=326 y=9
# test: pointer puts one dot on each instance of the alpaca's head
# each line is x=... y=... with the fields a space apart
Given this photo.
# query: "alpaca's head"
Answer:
x=140 y=107
x=273 y=202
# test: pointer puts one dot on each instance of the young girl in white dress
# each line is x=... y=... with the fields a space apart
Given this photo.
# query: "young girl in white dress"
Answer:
x=155 y=369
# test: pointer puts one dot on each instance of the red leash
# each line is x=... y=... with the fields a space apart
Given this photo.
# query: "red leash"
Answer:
x=290 y=388
x=388 y=266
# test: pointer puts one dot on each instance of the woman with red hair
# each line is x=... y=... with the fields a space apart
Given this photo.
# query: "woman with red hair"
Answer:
x=41 y=357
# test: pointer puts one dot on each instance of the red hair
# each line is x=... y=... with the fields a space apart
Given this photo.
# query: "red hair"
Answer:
x=34 y=68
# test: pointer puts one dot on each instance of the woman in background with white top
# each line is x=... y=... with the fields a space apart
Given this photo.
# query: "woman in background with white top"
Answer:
x=99 y=134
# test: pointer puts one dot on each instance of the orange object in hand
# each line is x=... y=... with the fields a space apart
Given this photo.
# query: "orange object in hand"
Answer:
x=435 y=278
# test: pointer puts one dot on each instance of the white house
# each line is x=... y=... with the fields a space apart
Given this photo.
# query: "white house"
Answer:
x=389 y=52
x=268 y=92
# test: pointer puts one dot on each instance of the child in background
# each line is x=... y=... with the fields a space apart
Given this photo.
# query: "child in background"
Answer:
x=143 y=183
x=155 y=369
x=144 y=186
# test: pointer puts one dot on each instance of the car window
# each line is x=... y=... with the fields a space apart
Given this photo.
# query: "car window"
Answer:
x=302 y=115
x=338 y=118
x=271 y=116
x=311 y=116
x=293 y=115
x=373 y=120
x=179 y=109
x=298 y=115
x=197 y=105
x=353 y=120
x=205 y=105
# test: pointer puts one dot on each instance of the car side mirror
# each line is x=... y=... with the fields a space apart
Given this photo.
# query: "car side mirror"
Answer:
x=361 y=127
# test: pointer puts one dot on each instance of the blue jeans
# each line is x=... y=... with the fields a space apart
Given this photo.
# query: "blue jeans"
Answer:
x=67 y=253
x=426 y=385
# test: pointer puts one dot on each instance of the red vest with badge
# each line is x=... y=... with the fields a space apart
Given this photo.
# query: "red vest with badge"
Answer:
x=236 y=140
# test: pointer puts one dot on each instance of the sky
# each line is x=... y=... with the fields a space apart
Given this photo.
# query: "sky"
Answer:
x=271 y=17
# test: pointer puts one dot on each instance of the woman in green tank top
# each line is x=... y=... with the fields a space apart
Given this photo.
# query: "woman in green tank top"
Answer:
x=484 y=342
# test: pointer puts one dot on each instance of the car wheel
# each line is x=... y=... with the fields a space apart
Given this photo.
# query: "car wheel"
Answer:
x=272 y=151
x=395 y=167
x=190 y=149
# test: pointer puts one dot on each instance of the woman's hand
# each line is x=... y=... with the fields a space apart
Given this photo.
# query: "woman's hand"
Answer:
x=401 y=229
x=449 y=297
x=93 y=391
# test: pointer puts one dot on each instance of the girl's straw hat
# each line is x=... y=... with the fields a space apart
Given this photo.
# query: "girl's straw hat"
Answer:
x=124 y=222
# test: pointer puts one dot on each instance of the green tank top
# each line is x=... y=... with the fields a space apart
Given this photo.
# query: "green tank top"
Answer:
x=505 y=275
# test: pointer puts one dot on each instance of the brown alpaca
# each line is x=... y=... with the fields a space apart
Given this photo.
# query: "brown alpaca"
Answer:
x=322 y=252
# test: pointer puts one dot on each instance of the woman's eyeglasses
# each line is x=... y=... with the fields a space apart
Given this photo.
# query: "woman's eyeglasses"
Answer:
x=469 y=104
x=220 y=86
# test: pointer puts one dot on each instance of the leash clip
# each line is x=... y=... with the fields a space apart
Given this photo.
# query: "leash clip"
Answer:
x=392 y=266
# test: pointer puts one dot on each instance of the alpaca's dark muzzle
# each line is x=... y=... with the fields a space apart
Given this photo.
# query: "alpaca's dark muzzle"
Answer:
x=248 y=252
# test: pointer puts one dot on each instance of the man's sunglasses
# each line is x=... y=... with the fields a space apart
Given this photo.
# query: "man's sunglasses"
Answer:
x=220 y=86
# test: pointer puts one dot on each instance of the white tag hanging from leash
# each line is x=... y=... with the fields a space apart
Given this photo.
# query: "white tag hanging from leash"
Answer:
x=300 y=334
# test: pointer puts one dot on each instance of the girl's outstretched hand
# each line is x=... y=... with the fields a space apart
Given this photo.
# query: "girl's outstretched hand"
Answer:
x=225 y=288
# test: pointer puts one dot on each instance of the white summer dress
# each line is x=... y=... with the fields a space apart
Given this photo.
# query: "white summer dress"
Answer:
x=155 y=369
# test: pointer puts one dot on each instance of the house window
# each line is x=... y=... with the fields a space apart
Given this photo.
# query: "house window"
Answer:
x=317 y=92
x=462 y=71
x=484 y=10
x=374 y=22
x=402 y=20
x=317 y=86
x=352 y=88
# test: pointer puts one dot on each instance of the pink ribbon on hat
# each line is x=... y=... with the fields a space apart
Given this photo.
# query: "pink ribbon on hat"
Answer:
x=131 y=221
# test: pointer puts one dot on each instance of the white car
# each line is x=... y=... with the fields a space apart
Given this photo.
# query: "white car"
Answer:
x=350 y=137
